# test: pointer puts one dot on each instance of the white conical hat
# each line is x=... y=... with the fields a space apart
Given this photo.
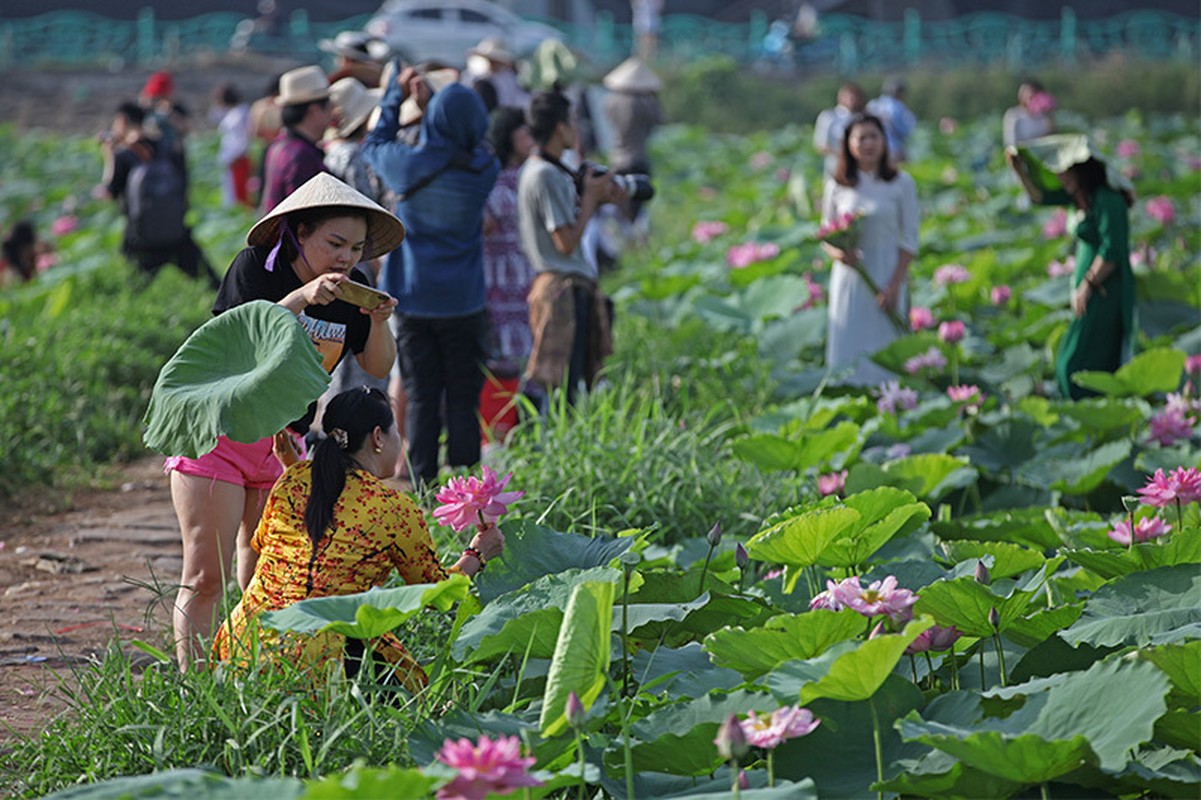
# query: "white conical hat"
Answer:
x=323 y=190
x=632 y=75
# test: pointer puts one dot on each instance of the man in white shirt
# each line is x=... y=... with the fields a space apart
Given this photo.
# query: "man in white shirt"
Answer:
x=832 y=124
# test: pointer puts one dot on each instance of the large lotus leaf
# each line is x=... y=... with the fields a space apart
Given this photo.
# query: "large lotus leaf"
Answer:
x=783 y=790
x=1178 y=727
x=884 y=513
x=847 y=671
x=799 y=539
x=1155 y=772
x=1027 y=758
x=1167 y=458
x=244 y=374
x=1042 y=624
x=366 y=615
x=651 y=621
x=786 y=637
x=429 y=735
x=798 y=452
x=1022 y=525
x=722 y=608
x=368 y=783
x=1147 y=373
x=678 y=739
x=1008 y=559
x=525 y=621
x=581 y=660
x=684 y=672
x=1134 y=609
x=1052 y=656
x=1182 y=663
x=941 y=776
x=532 y=551
x=840 y=755
x=1102 y=414
x=965 y=603
x=1072 y=468
x=1005 y=445
x=1169 y=552
x=662 y=786
x=186 y=782
x=931 y=475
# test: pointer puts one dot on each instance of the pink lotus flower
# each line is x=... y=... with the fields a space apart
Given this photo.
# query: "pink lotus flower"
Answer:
x=837 y=595
x=64 y=225
x=952 y=331
x=1143 y=255
x=1192 y=365
x=1058 y=269
x=761 y=159
x=1161 y=210
x=936 y=638
x=881 y=597
x=705 y=231
x=785 y=723
x=46 y=260
x=932 y=359
x=1169 y=426
x=1041 y=103
x=1000 y=295
x=489 y=767
x=1128 y=148
x=894 y=397
x=970 y=396
x=948 y=125
x=920 y=318
x=1193 y=162
x=949 y=274
x=1181 y=484
x=1144 y=530
x=817 y=293
x=730 y=740
x=1057 y=225
x=831 y=483
x=743 y=255
x=470 y=500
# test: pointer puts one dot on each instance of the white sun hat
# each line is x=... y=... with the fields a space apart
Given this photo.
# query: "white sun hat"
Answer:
x=354 y=102
x=632 y=75
x=302 y=85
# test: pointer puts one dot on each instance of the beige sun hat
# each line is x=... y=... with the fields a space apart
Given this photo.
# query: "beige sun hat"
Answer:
x=302 y=85
x=354 y=102
x=357 y=46
x=384 y=231
x=1047 y=156
x=632 y=75
x=437 y=79
x=493 y=49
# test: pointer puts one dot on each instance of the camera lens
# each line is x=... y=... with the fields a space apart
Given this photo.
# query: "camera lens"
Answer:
x=637 y=187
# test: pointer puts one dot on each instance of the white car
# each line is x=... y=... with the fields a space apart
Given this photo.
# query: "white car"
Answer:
x=444 y=30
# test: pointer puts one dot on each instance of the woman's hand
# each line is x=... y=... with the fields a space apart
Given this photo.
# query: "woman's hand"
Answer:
x=848 y=257
x=382 y=312
x=887 y=298
x=1080 y=298
x=285 y=449
x=489 y=541
x=322 y=290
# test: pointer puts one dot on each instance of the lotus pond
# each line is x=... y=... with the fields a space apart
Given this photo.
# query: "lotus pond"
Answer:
x=729 y=576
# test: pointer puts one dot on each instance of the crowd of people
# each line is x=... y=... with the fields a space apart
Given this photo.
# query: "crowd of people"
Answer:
x=467 y=197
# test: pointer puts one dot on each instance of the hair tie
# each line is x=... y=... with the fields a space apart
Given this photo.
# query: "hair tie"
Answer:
x=284 y=230
x=339 y=436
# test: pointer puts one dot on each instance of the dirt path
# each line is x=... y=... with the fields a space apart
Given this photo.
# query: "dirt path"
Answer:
x=72 y=582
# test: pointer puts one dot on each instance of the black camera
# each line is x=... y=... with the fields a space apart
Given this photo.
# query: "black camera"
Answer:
x=637 y=187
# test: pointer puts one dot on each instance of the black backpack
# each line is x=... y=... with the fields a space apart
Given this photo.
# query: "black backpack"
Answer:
x=156 y=201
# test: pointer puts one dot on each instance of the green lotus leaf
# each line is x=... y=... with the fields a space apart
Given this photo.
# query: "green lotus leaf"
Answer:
x=783 y=638
x=429 y=735
x=941 y=776
x=799 y=451
x=1147 y=373
x=1178 y=727
x=966 y=604
x=1182 y=663
x=684 y=672
x=680 y=589
x=186 y=782
x=1042 y=624
x=1071 y=468
x=931 y=475
x=1027 y=758
x=1023 y=526
x=1169 y=552
x=884 y=513
x=368 y=614
x=244 y=374
x=581 y=660
x=1008 y=559
x=799 y=539
x=366 y=783
x=1134 y=609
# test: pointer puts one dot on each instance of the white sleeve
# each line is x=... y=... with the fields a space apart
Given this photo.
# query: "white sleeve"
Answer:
x=910 y=214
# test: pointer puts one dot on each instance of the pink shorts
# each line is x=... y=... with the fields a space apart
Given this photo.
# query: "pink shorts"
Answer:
x=251 y=465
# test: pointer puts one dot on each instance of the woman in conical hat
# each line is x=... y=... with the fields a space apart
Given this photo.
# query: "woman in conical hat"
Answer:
x=1066 y=169
x=302 y=255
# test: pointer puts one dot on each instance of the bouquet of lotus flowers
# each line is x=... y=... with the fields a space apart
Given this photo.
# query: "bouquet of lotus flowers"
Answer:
x=469 y=500
x=842 y=231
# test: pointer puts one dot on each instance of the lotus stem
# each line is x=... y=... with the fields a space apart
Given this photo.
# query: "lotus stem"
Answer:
x=996 y=637
x=913 y=668
x=735 y=789
x=1043 y=792
x=771 y=769
x=625 y=636
x=705 y=570
x=954 y=669
x=879 y=746
x=930 y=669
x=579 y=746
x=893 y=317
x=981 y=653
x=1179 y=520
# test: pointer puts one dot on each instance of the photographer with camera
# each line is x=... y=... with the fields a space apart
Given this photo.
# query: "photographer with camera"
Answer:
x=569 y=316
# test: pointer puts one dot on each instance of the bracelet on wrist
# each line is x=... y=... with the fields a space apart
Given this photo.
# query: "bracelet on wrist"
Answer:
x=475 y=553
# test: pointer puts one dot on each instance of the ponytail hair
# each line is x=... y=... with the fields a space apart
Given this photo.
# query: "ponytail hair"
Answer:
x=348 y=419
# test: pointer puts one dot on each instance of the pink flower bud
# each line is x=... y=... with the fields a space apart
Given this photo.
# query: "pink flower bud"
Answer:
x=1000 y=295
x=731 y=741
x=951 y=332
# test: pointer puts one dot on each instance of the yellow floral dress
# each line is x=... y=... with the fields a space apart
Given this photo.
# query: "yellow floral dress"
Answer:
x=376 y=529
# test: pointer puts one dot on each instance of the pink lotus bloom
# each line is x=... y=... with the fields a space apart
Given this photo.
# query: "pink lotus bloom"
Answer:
x=1057 y=269
x=1193 y=162
x=837 y=595
x=489 y=767
x=468 y=500
x=894 y=397
x=936 y=638
x=704 y=231
x=882 y=597
x=831 y=483
x=46 y=260
x=761 y=159
x=948 y=125
x=1143 y=255
x=1180 y=484
x=1144 y=530
x=949 y=274
x=920 y=318
x=1041 y=103
x=1192 y=365
x=952 y=331
x=1000 y=295
x=1169 y=426
x=1057 y=225
x=785 y=723
x=932 y=359
x=64 y=225
x=1128 y=148
x=817 y=294
x=1161 y=210
x=970 y=396
x=743 y=255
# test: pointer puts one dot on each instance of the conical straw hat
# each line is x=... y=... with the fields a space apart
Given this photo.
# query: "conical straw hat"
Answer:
x=1051 y=155
x=323 y=190
x=632 y=75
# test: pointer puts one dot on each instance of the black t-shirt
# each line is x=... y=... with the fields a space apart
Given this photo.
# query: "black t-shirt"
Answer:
x=336 y=329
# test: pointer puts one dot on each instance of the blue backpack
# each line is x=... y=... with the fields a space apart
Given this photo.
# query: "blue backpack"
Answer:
x=156 y=201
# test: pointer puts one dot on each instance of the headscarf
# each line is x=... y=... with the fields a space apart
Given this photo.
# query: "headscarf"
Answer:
x=453 y=127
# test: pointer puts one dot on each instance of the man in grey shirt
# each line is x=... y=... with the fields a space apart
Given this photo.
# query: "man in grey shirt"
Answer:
x=569 y=316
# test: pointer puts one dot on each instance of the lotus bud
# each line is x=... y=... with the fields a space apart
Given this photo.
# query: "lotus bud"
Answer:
x=877 y=631
x=743 y=781
x=714 y=535
x=629 y=559
x=742 y=559
x=576 y=715
x=982 y=574
x=1130 y=503
x=994 y=618
x=731 y=741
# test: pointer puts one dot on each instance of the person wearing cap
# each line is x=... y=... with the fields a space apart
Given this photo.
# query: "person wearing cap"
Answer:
x=898 y=120
x=295 y=156
x=359 y=55
x=1066 y=169
x=437 y=275
x=491 y=60
x=166 y=119
x=298 y=256
x=633 y=110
